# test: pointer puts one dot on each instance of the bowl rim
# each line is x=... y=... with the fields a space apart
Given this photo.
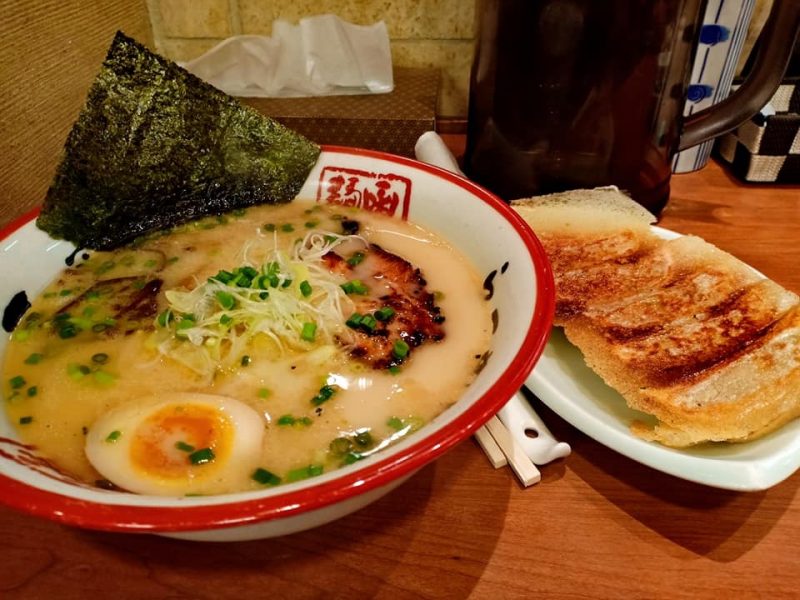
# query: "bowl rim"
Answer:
x=123 y=517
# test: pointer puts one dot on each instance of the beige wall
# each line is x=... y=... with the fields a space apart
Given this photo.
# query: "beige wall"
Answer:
x=424 y=33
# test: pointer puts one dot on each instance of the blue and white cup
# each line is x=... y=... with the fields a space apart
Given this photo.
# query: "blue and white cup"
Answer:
x=722 y=36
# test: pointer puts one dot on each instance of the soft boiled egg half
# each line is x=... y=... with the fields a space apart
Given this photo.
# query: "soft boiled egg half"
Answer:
x=177 y=444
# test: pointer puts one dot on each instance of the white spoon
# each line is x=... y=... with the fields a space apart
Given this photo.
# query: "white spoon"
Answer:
x=518 y=416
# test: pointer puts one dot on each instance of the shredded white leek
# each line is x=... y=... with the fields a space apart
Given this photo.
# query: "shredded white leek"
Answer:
x=209 y=332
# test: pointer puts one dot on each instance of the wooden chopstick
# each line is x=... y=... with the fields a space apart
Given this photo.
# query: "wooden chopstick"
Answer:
x=493 y=452
x=522 y=466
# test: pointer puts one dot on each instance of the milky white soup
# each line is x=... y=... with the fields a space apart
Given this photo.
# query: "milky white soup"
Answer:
x=221 y=356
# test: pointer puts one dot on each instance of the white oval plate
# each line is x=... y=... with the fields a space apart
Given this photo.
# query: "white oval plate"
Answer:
x=572 y=390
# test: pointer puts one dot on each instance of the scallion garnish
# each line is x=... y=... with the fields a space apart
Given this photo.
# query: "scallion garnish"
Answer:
x=286 y=420
x=309 y=332
x=263 y=393
x=226 y=300
x=202 y=456
x=354 y=320
x=355 y=286
x=25 y=420
x=400 y=349
x=184 y=447
x=356 y=259
x=384 y=313
x=326 y=392
x=17 y=382
x=34 y=359
x=113 y=436
x=369 y=323
x=164 y=318
x=32 y=391
x=265 y=477
x=304 y=473
x=104 y=377
x=305 y=289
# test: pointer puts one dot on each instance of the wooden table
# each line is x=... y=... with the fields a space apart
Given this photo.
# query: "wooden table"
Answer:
x=598 y=525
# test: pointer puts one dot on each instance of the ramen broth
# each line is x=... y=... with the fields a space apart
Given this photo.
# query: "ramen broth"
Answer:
x=61 y=376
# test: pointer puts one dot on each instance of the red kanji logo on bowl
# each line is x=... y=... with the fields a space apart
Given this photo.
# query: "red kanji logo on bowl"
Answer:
x=385 y=193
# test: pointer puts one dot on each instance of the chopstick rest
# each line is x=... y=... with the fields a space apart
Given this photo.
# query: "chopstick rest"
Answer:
x=519 y=462
x=519 y=418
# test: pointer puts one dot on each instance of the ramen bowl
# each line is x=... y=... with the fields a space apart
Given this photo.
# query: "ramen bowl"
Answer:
x=517 y=282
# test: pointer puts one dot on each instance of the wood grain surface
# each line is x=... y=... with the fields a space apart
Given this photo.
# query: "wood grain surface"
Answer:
x=598 y=525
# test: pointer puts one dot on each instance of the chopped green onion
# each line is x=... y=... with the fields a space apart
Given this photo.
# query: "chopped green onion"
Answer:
x=309 y=332
x=395 y=423
x=223 y=276
x=164 y=318
x=384 y=313
x=354 y=320
x=184 y=447
x=355 y=286
x=88 y=311
x=239 y=212
x=32 y=391
x=356 y=259
x=100 y=358
x=113 y=436
x=304 y=473
x=340 y=446
x=104 y=377
x=394 y=369
x=246 y=360
x=77 y=372
x=186 y=322
x=263 y=393
x=202 y=456
x=99 y=327
x=68 y=330
x=225 y=320
x=305 y=289
x=17 y=382
x=226 y=300
x=303 y=421
x=25 y=420
x=352 y=457
x=286 y=420
x=311 y=224
x=369 y=323
x=363 y=438
x=269 y=227
x=150 y=263
x=264 y=477
x=326 y=392
x=400 y=349
x=287 y=227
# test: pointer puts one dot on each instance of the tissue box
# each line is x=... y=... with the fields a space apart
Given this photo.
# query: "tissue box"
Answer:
x=766 y=148
x=390 y=122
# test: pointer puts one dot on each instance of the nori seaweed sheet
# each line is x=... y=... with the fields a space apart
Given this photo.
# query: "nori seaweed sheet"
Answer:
x=155 y=146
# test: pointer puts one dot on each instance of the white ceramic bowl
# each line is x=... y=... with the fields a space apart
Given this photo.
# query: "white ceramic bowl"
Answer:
x=498 y=242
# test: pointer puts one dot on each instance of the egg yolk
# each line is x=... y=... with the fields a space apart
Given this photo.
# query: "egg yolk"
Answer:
x=165 y=443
